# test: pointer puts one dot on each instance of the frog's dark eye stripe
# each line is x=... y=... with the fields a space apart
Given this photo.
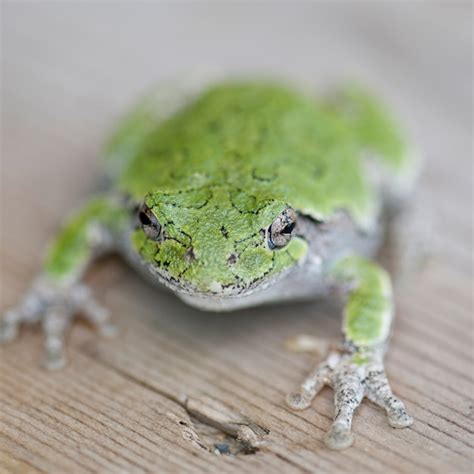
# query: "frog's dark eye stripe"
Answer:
x=149 y=222
x=281 y=230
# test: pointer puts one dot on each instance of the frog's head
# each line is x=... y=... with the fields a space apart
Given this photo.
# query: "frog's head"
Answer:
x=217 y=240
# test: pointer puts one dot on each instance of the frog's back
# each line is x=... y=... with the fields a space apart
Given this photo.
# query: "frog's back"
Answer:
x=264 y=138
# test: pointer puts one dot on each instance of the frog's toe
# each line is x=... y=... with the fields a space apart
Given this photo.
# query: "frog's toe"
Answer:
x=299 y=400
x=338 y=437
x=54 y=358
x=311 y=386
x=27 y=311
x=96 y=314
x=8 y=327
x=399 y=418
x=380 y=392
x=55 y=322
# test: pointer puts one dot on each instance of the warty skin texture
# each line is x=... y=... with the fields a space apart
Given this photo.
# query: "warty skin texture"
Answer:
x=247 y=193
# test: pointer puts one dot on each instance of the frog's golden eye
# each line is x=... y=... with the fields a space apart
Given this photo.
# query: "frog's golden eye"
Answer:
x=149 y=222
x=281 y=230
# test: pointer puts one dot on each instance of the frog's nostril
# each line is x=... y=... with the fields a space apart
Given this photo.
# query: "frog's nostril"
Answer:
x=232 y=258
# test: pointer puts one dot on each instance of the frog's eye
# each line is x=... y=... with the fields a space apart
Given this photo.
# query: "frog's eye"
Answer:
x=149 y=222
x=281 y=230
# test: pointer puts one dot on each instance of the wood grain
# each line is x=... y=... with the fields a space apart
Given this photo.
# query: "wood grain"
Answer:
x=69 y=70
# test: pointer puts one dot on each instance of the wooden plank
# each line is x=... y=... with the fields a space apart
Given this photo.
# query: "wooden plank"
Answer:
x=164 y=392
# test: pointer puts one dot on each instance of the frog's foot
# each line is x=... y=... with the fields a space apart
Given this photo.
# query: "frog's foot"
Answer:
x=55 y=307
x=353 y=376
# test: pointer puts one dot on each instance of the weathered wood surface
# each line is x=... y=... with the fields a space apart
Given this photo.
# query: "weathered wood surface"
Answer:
x=68 y=71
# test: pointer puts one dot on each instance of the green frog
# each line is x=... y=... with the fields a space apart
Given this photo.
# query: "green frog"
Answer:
x=244 y=193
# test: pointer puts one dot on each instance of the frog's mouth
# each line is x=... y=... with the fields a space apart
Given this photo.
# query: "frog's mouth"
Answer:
x=217 y=290
x=228 y=298
x=219 y=297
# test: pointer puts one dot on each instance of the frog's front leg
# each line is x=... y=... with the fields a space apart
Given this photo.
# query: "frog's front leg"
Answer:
x=56 y=295
x=356 y=369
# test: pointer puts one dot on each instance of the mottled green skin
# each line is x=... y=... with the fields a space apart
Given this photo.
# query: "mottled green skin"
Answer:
x=368 y=311
x=233 y=160
x=226 y=235
x=373 y=129
x=267 y=140
x=69 y=253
